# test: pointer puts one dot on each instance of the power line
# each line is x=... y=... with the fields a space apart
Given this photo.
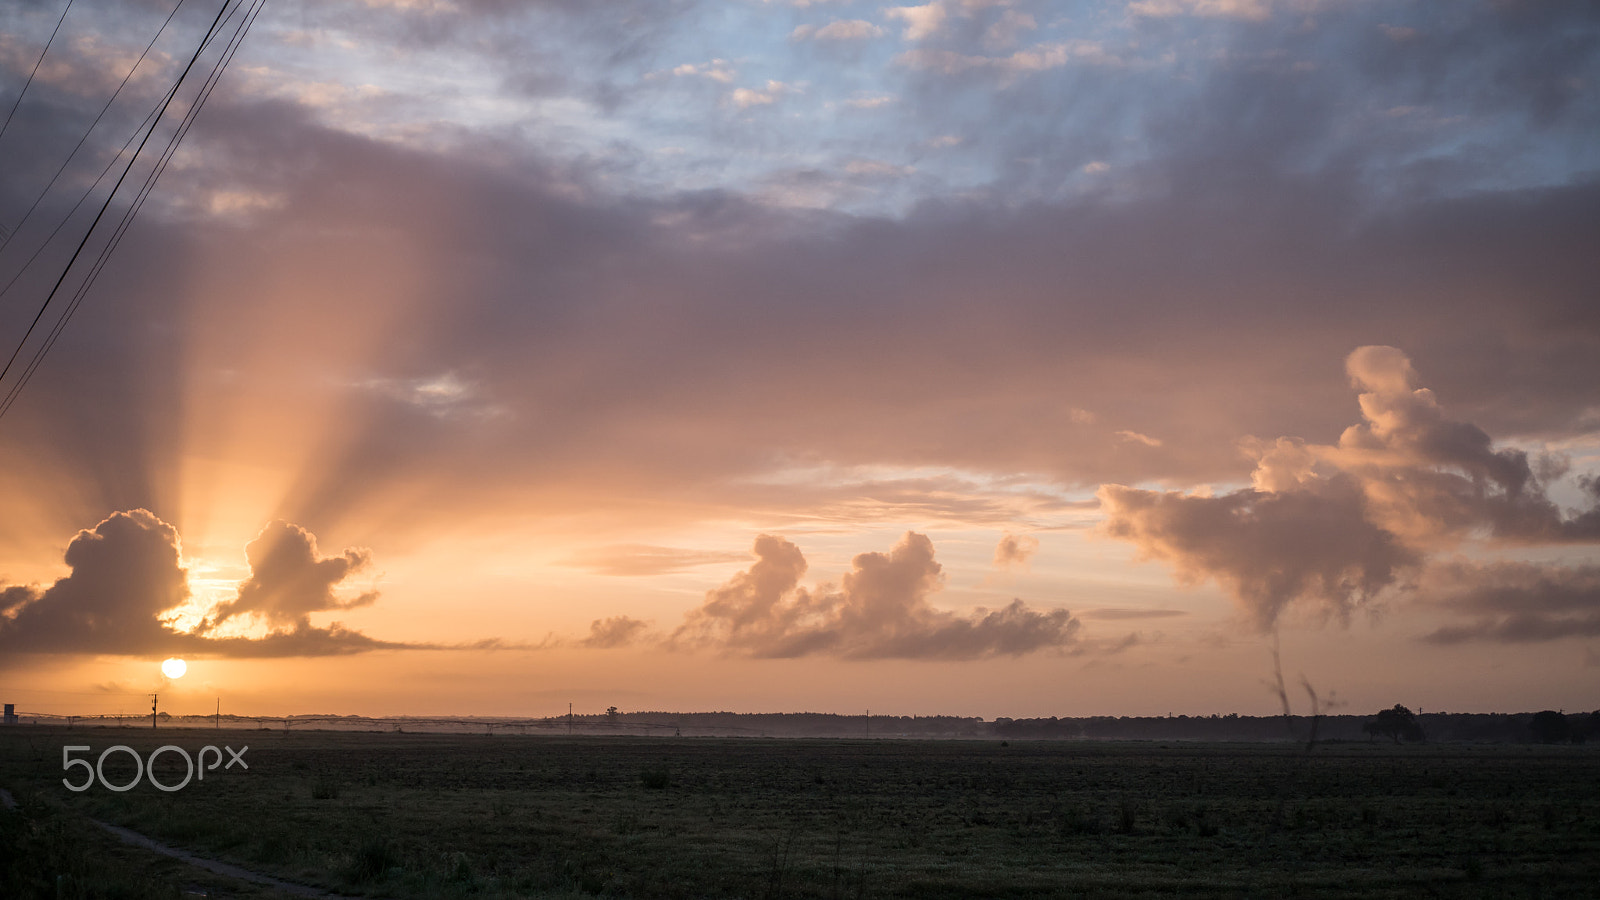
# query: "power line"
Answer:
x=148 y=121
x=224 y=14
x=85 y=196
x=35 y=68
x=109 y=197
x=7 y=234
x=127 y=218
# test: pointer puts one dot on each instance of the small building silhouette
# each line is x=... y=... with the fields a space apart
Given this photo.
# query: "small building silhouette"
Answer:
x=11 y=714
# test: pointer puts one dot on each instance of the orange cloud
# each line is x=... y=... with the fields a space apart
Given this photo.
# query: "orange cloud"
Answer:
x=1015 y=550
x=127 y=572
x=1333 y=525
x=880 y=611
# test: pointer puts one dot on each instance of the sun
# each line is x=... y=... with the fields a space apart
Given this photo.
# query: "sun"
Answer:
x=174 y=667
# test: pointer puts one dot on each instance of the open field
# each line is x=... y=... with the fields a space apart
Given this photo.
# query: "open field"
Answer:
x=402 y=815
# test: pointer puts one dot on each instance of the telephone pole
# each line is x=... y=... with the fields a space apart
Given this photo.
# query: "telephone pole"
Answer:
x=153 y=710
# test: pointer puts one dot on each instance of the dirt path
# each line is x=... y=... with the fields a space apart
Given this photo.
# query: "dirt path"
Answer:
x=214 y=866
x=210 y=865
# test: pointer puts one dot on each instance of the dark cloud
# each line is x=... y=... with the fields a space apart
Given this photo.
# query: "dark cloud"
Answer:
x=1015 y=550
x=1334 y=525
x=1270 y=549
x=289 y=581
x=1298 y=191
x=127 y=572
x=576 y=315
x=880 y=611
x=1514 y=602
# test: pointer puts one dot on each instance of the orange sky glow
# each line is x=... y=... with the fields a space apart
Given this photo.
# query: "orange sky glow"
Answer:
x=711 y=361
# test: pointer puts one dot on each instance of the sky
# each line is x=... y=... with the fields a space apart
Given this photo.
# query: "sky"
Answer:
x=980 y=357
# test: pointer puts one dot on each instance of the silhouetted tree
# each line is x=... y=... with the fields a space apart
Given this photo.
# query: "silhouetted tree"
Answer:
x=1550 y=727
x=1398 y=723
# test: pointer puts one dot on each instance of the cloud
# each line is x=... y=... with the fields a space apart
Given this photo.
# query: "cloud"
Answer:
x=717 y=70
x=1137 y=438
x=634 y=560
x=1033 y=59
x=1269 y=549
x=1431 y=479
x=1015 y=550
x=615 y=631
x=876 y=168
x=744 y=98
x=837 y=30
x=1280 y=212
x=1249 y=10
x=1334 y=525
x=127 y=571
x=289 y=581
x=1514 y=602
x=1115 y=613
x=880 y=611
x=922 y=22
x=869 y=101
x=1003 y=32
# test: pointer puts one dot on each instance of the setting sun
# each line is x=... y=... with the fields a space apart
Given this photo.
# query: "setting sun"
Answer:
x=174 y=667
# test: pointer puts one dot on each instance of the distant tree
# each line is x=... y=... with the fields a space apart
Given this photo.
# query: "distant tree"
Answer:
x=611 y=713
x=1550 y=727
x=1398 y=723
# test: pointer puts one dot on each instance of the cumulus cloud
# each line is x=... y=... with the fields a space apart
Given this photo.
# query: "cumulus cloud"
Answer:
x=289 y=580
x=1333 y=525
x=615 y=631
x=1269 y=549
x=745 y=98
x=922 y=21
x=1015 y=550
x=1432 y=479
x=1514 y=602
x=880 y=610
x=127 y=572
x=837 y=30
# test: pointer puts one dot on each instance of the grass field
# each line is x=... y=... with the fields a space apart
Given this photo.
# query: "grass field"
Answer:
x=398 y=815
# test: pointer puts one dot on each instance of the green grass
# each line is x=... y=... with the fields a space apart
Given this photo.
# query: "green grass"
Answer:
x=472 y=816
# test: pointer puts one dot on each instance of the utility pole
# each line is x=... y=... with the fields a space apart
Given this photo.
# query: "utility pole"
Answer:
x=219 y=714
x=153 y=710
x=569 y=718
x=869 y=724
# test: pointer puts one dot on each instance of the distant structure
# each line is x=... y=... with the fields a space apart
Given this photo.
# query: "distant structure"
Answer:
x=11 y=714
